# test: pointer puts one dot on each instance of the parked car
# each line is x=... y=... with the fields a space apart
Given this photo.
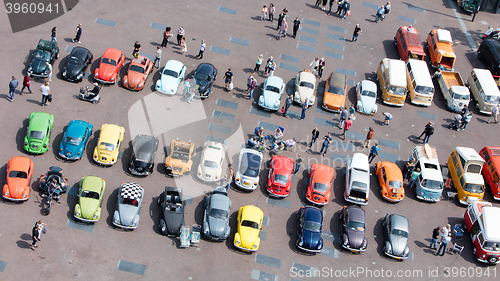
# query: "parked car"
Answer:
x=172 y=211
x=491 y=156
x=171 y=76
x=489 y=53
x=205 y=76
x=77 y=63
x=440 y=47
x=484 y=90
x=320 y=184
x=279 y=181
x=45 y=51
x=247 y=174
x=357 y=179
x=142 y=160
x=212 y=157
x=335 y=92
x=353 y=224
x=391 y=181
x=309 y=227
x=90 y=195
x=17 y=183
x=396 y=231
x=305 y=86
x=391 y=76
x=249 y=222
x=108 y=146
x=75 y=140
x=408 y=43
x=271 y=93
x=38 y=134
x=128 y=205
x=179 y=161
x=366 y=93
x=216 y=218
x=111 y=63
x=465 y=165
x=429 y=185
x=138 y=71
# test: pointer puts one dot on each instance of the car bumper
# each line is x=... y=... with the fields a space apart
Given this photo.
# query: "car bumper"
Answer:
x=15 y=199
x=134 y=172
x=124 y=226
x=280 y=195
x=354 y=250
x=104 y=81
x=391 y=199
x=69 y=157
x=246 y=187
x=85 y=220
x=394 y=104
x=214 y=238
x=38 y=75
x=428 y=199
x=206 y=180
x=396 y=257
x=245 y=249
x=308 y=250
x=165 y=92
x=104 y=163
x=354 y=201
x=316 y=203
x=331 y=109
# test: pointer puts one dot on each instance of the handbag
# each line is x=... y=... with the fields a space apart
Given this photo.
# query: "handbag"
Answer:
x=348 y=13
x=231 y=86
x=49 y=97
x=44 y=229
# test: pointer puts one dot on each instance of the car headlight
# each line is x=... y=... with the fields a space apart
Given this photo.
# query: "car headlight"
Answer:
x=64 y=72
x=261 y=99
x=140 y=85
x=134 y=224
x=112 y=79
x=116 y=220
x=24 y=195
x=237 y=242
x=301 y=240
x=254 y=246
x=95 y=216
x=77 y=213
x=276 y=104
x=80 y=75
x=6 y=193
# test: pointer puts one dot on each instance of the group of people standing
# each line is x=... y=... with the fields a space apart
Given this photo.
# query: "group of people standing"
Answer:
x=445 y=233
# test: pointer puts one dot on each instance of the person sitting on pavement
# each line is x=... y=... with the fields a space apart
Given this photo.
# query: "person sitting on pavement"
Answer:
x=252 y=143
x=278 y=134
x=290 y=143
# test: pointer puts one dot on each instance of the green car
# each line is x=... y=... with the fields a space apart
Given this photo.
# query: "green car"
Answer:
x=38 y=135
x=90 y=195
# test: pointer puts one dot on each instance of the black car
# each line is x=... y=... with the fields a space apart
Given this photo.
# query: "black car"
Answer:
x=172 y=211
x=143 y=155
x=78 y=61
x=46 y=51
x=353 y=221
x=489 y=53
x=309 y=225
x=205 y=77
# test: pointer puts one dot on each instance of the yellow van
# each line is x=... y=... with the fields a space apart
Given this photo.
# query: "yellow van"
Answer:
x=465 y=167
x=484 y=89
x=419 y=81
x=391 y=76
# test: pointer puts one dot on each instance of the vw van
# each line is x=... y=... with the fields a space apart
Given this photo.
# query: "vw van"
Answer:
x=419 y=81
x=408 y=43
x=481 y=221
x=484 y=90
x=465 y=167
x=391 y=76
x=491 y=156
x=489 y=53
x=429 y=186
x=440 y=48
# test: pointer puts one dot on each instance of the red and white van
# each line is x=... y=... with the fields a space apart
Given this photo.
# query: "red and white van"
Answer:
x=481 y=220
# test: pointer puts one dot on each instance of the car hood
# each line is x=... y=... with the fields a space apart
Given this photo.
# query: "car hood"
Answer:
x=169 y=83
x=17 y=187
x=106 y=71
x=217 y=227
x=88 y=207
x=174 y=222
x=311 y=239
x=73 y=69
x=367 y=103
x=270 y=99
x=304 y=93
x=127 y=213
x=38 y=66
x=355 y=238
x=333 y=100
x=134 y=79
x=398 y=244
x=248 y=236
x=209 y=173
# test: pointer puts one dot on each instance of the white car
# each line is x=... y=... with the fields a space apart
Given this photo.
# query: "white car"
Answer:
x=247 y=175
x=271 y=93
x=305 y=85
x=212 y=157
x=357 y=179
x=171 y=76
x=366 y=93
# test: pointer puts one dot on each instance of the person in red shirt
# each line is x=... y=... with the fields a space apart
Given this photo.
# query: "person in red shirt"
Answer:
x=347 y=125
x=26 y=84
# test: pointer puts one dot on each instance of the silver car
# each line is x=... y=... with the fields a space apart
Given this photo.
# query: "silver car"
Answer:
x=357 y=179
x=396 y=230
x=216 y=218
x=247 y=175
x=128 y=206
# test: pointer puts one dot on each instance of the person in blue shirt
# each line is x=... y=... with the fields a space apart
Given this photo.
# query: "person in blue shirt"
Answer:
x=380 y=13
x=326 y=142
x=373 y=152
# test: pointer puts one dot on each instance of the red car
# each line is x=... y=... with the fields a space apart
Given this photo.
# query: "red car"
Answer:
x=320 y=184
x=279 y=182
x=110 y=65
x=19 y=171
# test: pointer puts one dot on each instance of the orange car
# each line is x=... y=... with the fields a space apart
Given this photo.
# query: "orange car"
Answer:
x=138 y=72
x=391 y=181
x=320 y=184
x=19 y=171
x=440 y=46
x=335 y=92
x=110 y=65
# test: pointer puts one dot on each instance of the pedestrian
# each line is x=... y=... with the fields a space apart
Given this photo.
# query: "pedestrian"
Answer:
x=180 y=35
x=343 y=116
x=12 y=88
x=369 y=137
x=191 y=96
x=445 y=239
x=49 y=71
x=357 y=31
x=347 y=125
x=288 y=103
x=258 y=63
x=414 y=177
x=296 y=25
x=468 y=118
x=45 y=89
x=380 y=13
x=429 y=131
x=436 y=74
x=340 y=6
x=314 y=65
x=423 y=132
x=187 y=87
x=324 y=5
x=305 y=105
x=408 y=168
x=252 y=87
x=249 y=81
x=315 y=135
x=166 y=36
x=465 y=111
x=36 y=233
x=137 y=49
x=158 y=57
x=297 y=164
x=346 y=9
x=321 y=66
x=331 y=5
x=26 y=84
x=263 y=14
x=228 y=79
x=184 y=46
x=280 y=20
x=352 y=112
x=271 y=11
x=387 y=118
x=494 y=113
x=387 y=9
x=326 y=143
x=78 y=33
x=318 y=3
x=269 y=63
x=373 y=152
x=273 y=67
x=283 y=28
x=435 y=236
x=53 y=34
x=202 y=49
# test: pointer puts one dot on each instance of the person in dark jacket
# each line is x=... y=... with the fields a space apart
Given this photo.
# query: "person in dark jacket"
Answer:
x=296 y=25
x=435 y=236
x=315 y=135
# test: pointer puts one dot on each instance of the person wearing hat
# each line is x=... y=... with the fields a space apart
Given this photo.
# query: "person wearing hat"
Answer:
x=321 y=66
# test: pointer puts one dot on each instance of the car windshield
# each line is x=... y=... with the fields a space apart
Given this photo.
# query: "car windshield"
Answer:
x=250 y=164
x=210 y=164
x=37 y=135
x=18 y=174
x=169 y=72
x=306 y=85
x=136 y=68
x=399 y=232
x=181 y=153
x=359 y=184
x=369 y=94
x=356 y=226
x=312 y=226
x=201 y=77
x=71 y=140
x=432 y=184
x=129 y=201
x=106 y=146
x=218 y=213
x=492 y=99
x=394 y=184
x=250 y=224
x=336 y=90
x=396 y=90
x=491 y=246
x=73 y=59
x=424 y=90
x=90 y=194
x=458 y=96
x=272 y=89
x=108 y=61
x=44 y=56
x=280 y=179
x=142 y=157
x=474 y=188
x=320 y=187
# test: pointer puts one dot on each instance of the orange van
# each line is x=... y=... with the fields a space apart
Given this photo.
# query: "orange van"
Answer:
x=408 y=43
x=440 y=48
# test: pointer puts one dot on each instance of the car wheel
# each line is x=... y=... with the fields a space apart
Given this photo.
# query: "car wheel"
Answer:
x=493 y=259
x=479 y=56
x=95 y=101
x=163 y=226
x=57 y=56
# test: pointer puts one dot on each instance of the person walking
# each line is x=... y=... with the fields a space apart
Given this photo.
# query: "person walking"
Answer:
x=326 y=143
x=158 y=57
x=380 y=13
x=184 y=46
x=305 y=105
x=258 y=63
x=429 y=131
x=297 y=164
x=494 y=113
x=369 y=137
x=315 y=135
x=373 y=152
x=273 y=67
x=468 y=118
x=434 y=238
x=296 y=25
x=352 y=112
x=26 y=84
x=45 y=89
x=314 y=65
x=345 y=9
x=252 y=87
x=249 y=81
x=53 y=34
x=387 y=118
x=321 y=66
x=271 y=11
x=283 y=29
x=387 y=9
x=445 y=239
x=340 y=6
x=166 y=36
x=347 y=125
x=49 y=72
x=263 y=13
x=137 y=49
x=12 y=88
x=191 y=96
x=202 y=49
x=464 y=112
x=288 y=103
x=281 y=16
x=343 y=116
x=414 y=177
x=269 y=63
x=78 y=33
x=228 y=79
x=180 y=35
x=318 y=3
x=423 y=132
x=36 y=233
x=355 y=34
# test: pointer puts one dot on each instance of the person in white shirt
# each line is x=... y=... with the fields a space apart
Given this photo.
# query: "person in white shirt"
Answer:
x=202 y=49
x=45 y=92
x=49 y=74
x=494 y=113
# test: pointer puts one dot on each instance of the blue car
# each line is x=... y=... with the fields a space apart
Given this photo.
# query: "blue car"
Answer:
x=271 y=93
x=75 y=139
x=309 y=225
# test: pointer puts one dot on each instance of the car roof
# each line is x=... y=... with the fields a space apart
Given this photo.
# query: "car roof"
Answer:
x=487 y=82
x=469 y=154
x=444 y=36
x=473 y=178
x=337 y=80
x=19 y=163
x=285 y=163
x=397 y=72
x=368 y=85
x=399 y=222
x=79 y=52
x=275 y=81
x=251 y=213
x=131 y=190
x=356 y=214
x=110 y=131
x=360 y=161
x=313 y=214
x=420 y=72
x=40 y=119
x=112 y=54
x=491 y=225
x=219 y=201
x=139 y=61
x=307 y=76
x=174 y=65
x=322 y=173
x=206 y=68
x=392 y=171
x=92 y=183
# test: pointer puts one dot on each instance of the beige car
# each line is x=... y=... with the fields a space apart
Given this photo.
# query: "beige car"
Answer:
x=305 y=86
x=210 y=167
x=179 y=161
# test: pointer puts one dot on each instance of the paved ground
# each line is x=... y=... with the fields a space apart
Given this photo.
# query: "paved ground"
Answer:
x=235 y=37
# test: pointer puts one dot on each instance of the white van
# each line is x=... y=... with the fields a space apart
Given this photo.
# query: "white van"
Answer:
x=419 y=81
x=484 y=89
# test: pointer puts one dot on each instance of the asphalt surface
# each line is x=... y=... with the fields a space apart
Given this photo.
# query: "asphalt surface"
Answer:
x=235 y=36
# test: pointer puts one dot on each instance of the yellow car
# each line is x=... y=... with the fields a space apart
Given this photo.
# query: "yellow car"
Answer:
x=108 y=145
x=179 y=161
x=249 y=224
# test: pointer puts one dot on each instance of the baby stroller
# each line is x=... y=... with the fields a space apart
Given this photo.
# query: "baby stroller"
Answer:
x=457 y=123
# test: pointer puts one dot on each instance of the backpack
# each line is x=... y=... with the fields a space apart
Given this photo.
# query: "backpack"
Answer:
x=370 y=135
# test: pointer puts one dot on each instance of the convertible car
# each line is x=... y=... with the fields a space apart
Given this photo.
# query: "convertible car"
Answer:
x=17 y=185
x=335 y=92
x=128 y=205
x=212 y=158
x=249 y=162
x=205 y=76
x=172 y=211
x=179 y=161
x=108 y=146
x=391 y=181
x=305 y=85
x=271 y=93
x=38 y=135
x=90 y=195
x=75 y=139
x=249 y=222
x=279 y=181
x=353 y=224
x=78 y=60
x=396 y=231
x=46 y=51
x=309 y=226
x=320 y=184
x=216 y=218
x=171 y=76
x=366 y=93
x=138 y=71
x=142 y=160
x=110 y=65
